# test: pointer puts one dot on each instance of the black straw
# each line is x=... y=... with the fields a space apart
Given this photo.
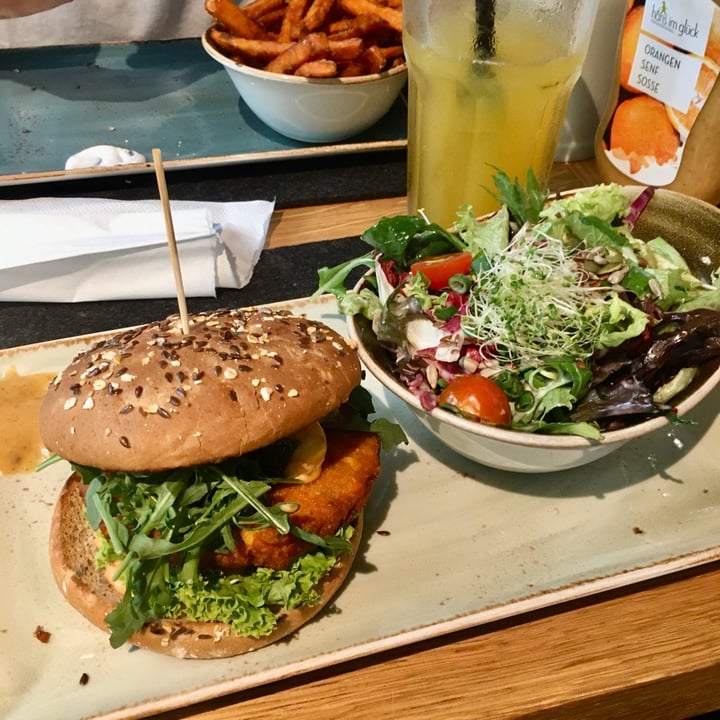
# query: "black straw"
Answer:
x=485 y=29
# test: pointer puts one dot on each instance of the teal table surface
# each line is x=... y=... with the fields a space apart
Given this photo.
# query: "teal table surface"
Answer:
x=55 y=101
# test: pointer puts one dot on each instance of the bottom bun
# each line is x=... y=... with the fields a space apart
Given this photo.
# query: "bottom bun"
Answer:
x=72 y=558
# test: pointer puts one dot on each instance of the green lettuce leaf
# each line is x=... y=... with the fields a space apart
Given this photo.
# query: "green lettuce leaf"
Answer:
x=249 y=603
x=604 y=202
x=620 y=321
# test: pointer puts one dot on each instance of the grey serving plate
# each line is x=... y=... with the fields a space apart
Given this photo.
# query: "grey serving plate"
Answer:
x=447 y=545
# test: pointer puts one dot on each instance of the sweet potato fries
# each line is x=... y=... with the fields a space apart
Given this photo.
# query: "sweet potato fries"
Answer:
x=311 y=38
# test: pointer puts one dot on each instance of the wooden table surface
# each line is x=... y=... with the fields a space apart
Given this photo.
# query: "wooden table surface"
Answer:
x=649 y=651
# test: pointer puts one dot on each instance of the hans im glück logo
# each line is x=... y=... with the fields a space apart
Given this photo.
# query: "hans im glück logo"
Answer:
x=664 y=16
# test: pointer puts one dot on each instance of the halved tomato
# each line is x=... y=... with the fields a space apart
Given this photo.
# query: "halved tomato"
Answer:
x=440 y=268
x=477 y=397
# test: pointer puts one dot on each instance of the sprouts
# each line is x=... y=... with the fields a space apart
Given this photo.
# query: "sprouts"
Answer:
x=533 y=300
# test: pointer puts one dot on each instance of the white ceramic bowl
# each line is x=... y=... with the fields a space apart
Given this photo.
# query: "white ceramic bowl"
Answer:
x=309 y=109
x=694 y=228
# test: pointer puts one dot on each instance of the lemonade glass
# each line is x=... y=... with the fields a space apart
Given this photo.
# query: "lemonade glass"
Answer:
x=489 y=83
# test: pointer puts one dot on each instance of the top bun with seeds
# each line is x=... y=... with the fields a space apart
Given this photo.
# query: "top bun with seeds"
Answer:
x=154 y=398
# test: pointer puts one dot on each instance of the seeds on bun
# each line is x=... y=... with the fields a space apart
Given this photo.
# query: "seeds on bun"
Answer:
x=219 y=479
x=153 y=398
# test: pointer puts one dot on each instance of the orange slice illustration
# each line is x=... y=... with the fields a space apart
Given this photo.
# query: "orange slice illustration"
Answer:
x=683 y=121
x=641 y=132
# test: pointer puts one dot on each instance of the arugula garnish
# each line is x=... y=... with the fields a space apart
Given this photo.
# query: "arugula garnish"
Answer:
x=157 y=526
x=332 y=279
x=524 y=203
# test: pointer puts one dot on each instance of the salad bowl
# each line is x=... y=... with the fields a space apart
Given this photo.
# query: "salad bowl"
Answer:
x=692 y=227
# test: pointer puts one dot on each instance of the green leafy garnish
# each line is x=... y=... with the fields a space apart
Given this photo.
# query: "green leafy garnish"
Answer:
x=332 y=280
x=158 y=526
x=389 y=433
x=408 y=238
x=524 y=202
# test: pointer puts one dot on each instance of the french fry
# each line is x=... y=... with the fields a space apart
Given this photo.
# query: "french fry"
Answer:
x=354 y=69
x=355 y=26
x=257 y=8
x=272 y=21
x=317 y=14
x=311 y=47
x=292 y=23
x=390 y=15
x=260 y=51
x=392 y=52
x=233 y=19
x=313 y=38
x=374 y=59
x=322 y=68
x=343 y=51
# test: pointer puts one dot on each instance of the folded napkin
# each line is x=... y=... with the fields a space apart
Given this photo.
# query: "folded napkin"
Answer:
x=79 y=249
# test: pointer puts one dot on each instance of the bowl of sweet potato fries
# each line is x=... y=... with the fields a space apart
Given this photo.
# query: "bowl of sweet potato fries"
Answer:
x=313 y=70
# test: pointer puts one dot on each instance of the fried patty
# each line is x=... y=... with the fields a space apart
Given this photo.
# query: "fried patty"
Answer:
x=351 y=465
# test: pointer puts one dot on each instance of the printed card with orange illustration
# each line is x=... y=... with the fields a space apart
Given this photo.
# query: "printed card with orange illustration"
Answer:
x=669 y=65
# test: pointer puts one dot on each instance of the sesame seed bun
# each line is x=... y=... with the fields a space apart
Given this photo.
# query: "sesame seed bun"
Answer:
x=154 y=398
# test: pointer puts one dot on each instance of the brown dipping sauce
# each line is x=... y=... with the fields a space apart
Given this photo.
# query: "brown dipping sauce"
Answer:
x=20 y=444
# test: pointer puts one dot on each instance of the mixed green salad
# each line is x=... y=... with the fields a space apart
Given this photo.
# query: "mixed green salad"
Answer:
x=548 y=316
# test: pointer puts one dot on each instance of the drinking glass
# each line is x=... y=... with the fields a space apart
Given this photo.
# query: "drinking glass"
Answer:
x=489 y=83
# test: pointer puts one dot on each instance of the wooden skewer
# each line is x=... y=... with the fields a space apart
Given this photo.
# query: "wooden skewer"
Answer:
x=172 y=244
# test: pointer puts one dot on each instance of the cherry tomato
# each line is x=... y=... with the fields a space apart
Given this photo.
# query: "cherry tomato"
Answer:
x=440 y=268
x=477 y=397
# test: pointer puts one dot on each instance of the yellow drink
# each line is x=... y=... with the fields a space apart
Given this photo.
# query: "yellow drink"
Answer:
x=467 y=117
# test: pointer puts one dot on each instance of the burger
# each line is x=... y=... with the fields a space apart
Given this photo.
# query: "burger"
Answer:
x=218 y=478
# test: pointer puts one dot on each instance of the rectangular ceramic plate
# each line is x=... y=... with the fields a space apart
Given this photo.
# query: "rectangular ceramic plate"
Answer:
x=172 y=95
x=461 y=545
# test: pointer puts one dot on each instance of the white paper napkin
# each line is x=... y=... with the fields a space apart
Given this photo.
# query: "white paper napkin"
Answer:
x=79 y=249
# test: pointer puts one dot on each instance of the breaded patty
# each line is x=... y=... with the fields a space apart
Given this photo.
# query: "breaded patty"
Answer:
x=352 y=464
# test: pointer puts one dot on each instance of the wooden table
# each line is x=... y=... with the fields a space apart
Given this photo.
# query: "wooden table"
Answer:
x=649 y=651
